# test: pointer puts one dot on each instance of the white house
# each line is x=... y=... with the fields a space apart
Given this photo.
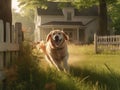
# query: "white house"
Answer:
x=80 y=25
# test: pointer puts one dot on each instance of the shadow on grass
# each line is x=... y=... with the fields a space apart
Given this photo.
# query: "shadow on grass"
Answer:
x=103 y=80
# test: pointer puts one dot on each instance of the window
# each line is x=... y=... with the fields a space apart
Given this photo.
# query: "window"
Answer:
x=69 y=16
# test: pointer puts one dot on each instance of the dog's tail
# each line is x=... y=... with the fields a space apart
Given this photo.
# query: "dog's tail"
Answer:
x=42 y=47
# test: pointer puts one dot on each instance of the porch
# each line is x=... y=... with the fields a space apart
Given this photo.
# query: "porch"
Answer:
x=75 y=30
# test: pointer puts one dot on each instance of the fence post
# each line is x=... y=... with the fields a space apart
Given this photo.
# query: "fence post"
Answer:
x=95 y=43
x=18 y=28
x=1 y=41
x=2 y=76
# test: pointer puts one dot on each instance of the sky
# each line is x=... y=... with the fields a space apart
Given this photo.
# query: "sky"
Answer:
x=15 y=5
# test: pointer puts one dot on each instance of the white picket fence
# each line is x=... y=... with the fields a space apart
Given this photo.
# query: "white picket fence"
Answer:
x=110 y=43
x=9 y=44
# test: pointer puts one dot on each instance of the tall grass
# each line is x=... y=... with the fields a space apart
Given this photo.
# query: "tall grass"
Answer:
x=86 y=74
x=100 y=79
x=30 y=76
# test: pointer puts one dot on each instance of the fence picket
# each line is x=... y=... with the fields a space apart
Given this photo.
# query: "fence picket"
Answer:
x=8 y=32
x=13 y=34
x=1 y=31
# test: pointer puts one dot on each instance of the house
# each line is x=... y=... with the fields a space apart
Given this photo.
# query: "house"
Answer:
x=80 y=25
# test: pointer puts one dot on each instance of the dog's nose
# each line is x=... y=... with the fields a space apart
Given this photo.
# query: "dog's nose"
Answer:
x=56 y=37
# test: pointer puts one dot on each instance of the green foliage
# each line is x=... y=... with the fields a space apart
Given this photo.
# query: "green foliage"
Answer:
x=114 y=10
x=27 y=71
x=32 y=4
x=84 y=3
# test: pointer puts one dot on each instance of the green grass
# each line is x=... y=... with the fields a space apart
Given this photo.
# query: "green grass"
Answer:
x=88 y=71
x=103 y=69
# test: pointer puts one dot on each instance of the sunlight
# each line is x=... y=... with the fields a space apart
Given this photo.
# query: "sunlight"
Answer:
x=15 y=4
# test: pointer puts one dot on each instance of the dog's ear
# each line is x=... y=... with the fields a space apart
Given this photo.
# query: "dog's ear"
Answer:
x=65 y=36
x=48 y=36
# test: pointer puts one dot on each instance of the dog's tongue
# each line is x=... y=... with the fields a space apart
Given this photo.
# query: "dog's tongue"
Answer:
x=57 y=40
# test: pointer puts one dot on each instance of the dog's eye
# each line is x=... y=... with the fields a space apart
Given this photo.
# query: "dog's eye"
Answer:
x=53 y=33
x=59 y=33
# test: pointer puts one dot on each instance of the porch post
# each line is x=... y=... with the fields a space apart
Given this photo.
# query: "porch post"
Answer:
x=41 y=33
x=78 y=35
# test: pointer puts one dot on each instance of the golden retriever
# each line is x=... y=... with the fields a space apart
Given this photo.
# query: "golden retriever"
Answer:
x=55 y=50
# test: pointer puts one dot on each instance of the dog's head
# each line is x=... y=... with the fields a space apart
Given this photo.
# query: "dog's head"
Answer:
x=57 y=37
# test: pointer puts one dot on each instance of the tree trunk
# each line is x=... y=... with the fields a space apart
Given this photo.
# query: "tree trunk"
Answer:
x=102 y=18
x=6 y=14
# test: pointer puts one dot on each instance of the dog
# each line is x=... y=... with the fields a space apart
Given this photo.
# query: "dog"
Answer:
x=55 y=50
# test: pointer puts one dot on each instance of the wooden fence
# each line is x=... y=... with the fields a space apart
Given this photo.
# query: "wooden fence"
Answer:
x=9 y=44
x=106 y=43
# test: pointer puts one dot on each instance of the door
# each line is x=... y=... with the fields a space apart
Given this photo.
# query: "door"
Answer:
x=82 y=35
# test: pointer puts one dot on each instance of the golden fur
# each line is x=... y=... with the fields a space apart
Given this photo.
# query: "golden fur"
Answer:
x=55 y=50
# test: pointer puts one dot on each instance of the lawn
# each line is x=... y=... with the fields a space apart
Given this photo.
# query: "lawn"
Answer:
x=88 y=71
x=83 y=56
x=103 y=69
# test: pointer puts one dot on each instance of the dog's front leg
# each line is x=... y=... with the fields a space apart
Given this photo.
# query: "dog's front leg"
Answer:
x=54 y=62
x=48 y=60
x=65 y=64
x=59 y=65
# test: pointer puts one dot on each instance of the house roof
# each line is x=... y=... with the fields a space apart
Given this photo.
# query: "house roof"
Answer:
x=63 y=23
x=53 y=9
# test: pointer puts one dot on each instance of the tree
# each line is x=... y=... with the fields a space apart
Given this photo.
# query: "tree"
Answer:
x=103 y=18
x=114 y=12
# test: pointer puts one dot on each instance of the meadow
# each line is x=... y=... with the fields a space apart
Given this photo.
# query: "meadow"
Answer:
x=88 y=71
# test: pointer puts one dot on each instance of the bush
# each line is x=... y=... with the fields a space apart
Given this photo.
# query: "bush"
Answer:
x=26 y=71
